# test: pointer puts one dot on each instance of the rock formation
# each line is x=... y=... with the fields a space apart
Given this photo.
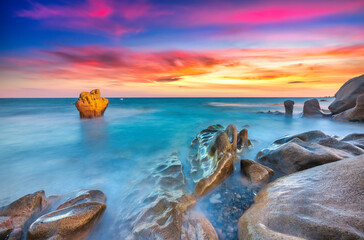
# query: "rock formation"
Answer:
x=165 y=212
x=288 y=106
x=311 y=108
x=298 y=152
x=91 y=104
x=73 y=219
x=355 y=114
x=255 y=172
x=243 y=141
x=211 y=158
x=324 y=202
x=16 y=217
x=231 y=132
x=347 y=95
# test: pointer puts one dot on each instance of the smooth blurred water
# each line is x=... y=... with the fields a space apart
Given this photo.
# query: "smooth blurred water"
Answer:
x=44 y=144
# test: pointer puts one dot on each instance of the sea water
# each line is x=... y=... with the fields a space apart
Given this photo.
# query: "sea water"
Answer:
x=45 y=145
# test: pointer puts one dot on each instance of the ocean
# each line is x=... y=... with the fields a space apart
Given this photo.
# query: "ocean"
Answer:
x=45 y=145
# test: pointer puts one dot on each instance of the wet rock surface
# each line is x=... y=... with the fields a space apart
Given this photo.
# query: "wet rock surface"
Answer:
x=91 y=104
x=256 y=173
x=243 y=141
x=74 y=222
x=17 y=216
x=74 y=219
x=347 y=95
x=298 y=152
x=164 y=213
x=324 y=202
x=211 y=158
x=355 y=114
x=225 y=205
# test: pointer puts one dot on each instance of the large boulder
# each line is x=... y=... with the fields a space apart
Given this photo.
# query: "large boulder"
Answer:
x=257 y=174
x=355 y=114
x=211 y=158
x=16 y=217
x=288 y=106
x=294 y=153
x=91 y=104
x=347 y=95
x=325 y=202
x=73 y=219
x=164 y=212
x=311 y=108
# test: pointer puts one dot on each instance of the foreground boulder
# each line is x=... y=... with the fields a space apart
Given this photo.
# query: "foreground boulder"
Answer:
x=355 y=114
x=288 y=106
x=290 y=154
x=91 y=104
x=325 y=202
x=211 y=158
x=257 y=173
x=311 y=108
x=347 y=95
x=16 y=217
x=73 y=219
x=164 y=212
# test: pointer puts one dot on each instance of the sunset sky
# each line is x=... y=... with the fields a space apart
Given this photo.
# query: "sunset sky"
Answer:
x=180 y=48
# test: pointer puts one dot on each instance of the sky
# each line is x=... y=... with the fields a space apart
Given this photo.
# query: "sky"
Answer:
x=180 y=48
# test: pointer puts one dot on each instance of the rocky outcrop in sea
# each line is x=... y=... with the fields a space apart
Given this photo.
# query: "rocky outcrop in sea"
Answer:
x=91 y=104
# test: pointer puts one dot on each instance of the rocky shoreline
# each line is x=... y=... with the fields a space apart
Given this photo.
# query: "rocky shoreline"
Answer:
x=303 y=186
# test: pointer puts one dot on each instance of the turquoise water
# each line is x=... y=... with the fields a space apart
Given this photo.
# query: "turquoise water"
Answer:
x=44 y=144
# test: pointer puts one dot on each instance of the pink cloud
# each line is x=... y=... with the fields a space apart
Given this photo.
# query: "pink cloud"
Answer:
x=107 y=16
x=269 y=12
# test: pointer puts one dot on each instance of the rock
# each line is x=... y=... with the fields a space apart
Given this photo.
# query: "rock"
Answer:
x=196 y=227
x=211 y=158
x=324 y=100
x=355 y=114
x=164 y=212
x=243 y=141
x=19 y=214
x=85 y=196
x=231 y=132
x=74 y=222
x=256 y=173
x=311 y=108
x=288 y=106
x=347 y=95
x=324 y=202
x=74 y=219
x=294 y=153
x=271 y=112
x=91 y=104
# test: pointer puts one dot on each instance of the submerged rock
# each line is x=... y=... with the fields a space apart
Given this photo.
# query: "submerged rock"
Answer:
x=325 y=202
x=211 y=158
x=355 y=114
x=73 y=219
x=347 y=95
x=197 y=227
x=165 y=212
x=91 y=104
x=271 y=112
x=311 y=108
x=257 y=173
x=18 y=215
x=243 y=142
x=298 y=152
x=288 y=106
